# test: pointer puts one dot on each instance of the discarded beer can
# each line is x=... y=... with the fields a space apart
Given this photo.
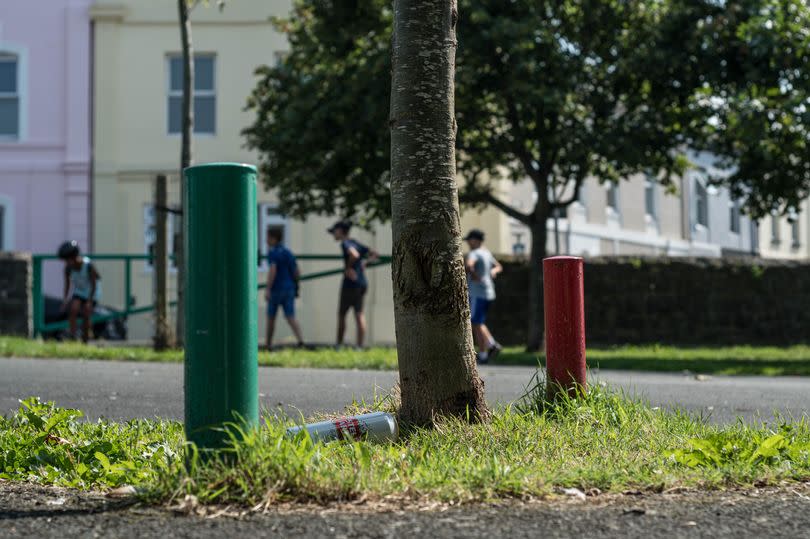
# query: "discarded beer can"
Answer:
x=376 y=427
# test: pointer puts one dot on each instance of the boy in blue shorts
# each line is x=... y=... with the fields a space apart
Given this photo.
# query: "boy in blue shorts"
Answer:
x=282 y=284
x=481 y=268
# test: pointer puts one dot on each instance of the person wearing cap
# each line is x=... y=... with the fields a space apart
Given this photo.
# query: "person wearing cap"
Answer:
x=81 y=290
x=354 y=286
x=481 y=268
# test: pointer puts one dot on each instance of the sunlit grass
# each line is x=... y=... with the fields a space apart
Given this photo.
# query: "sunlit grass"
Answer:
x=731 y=360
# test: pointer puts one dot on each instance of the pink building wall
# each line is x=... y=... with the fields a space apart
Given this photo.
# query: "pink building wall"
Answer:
x=44 y=175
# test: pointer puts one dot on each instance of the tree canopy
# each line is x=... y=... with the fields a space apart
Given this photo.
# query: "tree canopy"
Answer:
x=549 y=90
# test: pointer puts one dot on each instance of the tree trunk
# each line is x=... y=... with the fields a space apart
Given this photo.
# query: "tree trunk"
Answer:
x=162 y=338
x=185 y=155
x=536 y=254
x=431 y=307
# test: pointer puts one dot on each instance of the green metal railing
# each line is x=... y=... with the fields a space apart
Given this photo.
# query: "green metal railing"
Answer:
x=130 y=308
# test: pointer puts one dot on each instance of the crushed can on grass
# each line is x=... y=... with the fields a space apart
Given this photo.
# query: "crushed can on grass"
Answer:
x=375 y=427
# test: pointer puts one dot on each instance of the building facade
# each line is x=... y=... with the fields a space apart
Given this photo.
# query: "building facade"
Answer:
x=137 y=88
x=639 y=216
x=137 y=78
x=44 y=126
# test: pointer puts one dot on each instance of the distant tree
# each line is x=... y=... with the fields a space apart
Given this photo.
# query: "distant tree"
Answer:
x=437 y=370
x=755 y=92
x=550 y=91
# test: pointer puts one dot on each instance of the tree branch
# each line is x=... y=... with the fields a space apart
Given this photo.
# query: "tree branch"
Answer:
x=492 y=200
x=506 y=208
x=574 y=196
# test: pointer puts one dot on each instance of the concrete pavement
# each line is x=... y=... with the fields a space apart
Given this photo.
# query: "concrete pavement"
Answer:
x=122 y=390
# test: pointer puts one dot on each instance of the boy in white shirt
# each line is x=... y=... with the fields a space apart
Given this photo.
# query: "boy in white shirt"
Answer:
x=481 y=268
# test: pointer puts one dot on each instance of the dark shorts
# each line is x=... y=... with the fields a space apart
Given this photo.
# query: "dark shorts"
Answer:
x=83 y=301
x=478 y=310
x=351 y=298
x=284 y=299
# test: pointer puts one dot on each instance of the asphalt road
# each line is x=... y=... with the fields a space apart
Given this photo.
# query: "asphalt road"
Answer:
x=31 y=511
x=124 y=390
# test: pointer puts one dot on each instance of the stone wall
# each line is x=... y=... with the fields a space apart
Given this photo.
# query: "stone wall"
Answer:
x=15 y=294
x=675 y=301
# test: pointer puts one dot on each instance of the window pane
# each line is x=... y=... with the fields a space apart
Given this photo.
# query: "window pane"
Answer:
x=649 y=199
x=8 y=75
x=175 y=114
x=176 y=73
x=204 y=114
x=612 y=198
x=9 y=116
x=204 y=73
x=774 y=228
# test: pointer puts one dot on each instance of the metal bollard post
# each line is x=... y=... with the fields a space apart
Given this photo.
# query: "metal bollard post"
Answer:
x=221 y=373
x=564 y=310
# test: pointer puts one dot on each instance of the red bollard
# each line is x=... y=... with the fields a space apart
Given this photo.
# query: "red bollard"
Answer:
x=564 y=309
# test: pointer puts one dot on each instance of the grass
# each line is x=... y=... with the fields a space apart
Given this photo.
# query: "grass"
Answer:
x=603 y=441
x=731 y=360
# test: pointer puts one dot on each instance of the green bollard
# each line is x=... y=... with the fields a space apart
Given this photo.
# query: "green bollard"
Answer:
x=219 y=232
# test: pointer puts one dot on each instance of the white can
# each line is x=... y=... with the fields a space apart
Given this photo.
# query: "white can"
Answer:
x=376 y=427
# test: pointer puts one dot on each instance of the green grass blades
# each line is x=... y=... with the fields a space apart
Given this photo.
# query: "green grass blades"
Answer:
x=728 y=360
x=604 y=440
x=50 y=445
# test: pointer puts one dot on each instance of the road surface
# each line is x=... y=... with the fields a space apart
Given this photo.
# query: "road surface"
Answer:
x=122 y=390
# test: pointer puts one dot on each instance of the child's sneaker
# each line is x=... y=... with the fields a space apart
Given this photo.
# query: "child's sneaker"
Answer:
x=494 y=350
x=482 y=358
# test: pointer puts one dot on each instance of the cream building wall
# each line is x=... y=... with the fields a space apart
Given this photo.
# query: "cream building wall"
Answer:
x=786 y=237
x=133 y=40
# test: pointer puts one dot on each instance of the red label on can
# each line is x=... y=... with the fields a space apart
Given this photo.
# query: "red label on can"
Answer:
x=348 y=428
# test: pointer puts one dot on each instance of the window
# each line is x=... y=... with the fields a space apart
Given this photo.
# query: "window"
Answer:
x=794 y=234
x=613 y=196
x=270 y=218
x=793 y=219
x=649 y=198
x=701 y=204
x=775 y=239
x=205 y=99
x=734 y=217
x=173 y=229
x=9 y=97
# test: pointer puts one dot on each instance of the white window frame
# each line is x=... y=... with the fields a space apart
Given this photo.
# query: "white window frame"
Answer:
x=197 y=93
x=651 y=210
x=270 y=216
x=734 y=217
x=698 y=187
x=613 y=214
x=149 y=235
x=795 y=230
x=7 y=241
x=21 y=55
x=776 y=236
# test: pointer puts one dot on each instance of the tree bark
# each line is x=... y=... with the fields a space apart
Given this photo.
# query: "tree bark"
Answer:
x=537 y=253
x=162 y=338
x=437 y=368
x=185 y=154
